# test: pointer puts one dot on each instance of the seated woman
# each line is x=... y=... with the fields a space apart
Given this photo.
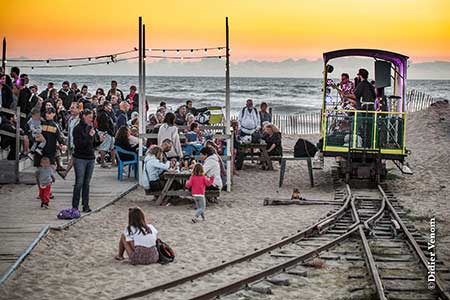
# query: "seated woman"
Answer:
x=123 y=141
x=211 y=165
x=154 y=168
x=272 y=137
x=223 y=172
x=138 y=240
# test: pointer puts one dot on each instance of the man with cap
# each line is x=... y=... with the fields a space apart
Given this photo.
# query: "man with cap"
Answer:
x=53 y=135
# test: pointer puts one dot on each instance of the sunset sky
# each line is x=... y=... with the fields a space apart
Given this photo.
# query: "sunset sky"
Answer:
x=259 y=29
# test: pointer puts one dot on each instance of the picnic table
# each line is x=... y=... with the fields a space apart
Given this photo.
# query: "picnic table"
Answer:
x=182 y=176
x=264 y=155
x=170 y=177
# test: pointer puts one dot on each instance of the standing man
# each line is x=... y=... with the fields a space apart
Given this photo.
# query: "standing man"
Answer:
x=85 y=139
x=364 y=91
x=249 y=120
x=66 y=94
x=46 y=93
x=347 y=89
x=106 y=127
x=6 y=94
x=15 y=73
x=122 y=114
x=115 y=91
x=73 y=121
x=24 y=96
x=52 y=135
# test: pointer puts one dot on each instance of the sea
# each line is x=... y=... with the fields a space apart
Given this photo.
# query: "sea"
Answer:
x=284 y=95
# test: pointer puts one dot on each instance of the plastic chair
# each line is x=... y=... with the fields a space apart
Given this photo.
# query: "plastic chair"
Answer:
x=130 y=163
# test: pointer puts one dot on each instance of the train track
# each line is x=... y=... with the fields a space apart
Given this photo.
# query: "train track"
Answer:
x=366 y=234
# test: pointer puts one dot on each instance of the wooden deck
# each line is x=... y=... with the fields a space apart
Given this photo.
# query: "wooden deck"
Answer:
x=22 y=219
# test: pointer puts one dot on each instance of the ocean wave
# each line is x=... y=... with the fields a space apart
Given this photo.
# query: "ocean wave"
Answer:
x=248 y=91
x=214 y=91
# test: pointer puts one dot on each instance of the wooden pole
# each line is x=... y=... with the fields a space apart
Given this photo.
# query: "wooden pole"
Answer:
x=227 y=103
x=141 y=95
x=4 y=55
x=17 y=143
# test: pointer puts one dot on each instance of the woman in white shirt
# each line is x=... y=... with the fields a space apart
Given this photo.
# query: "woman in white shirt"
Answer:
x=168 y=130
x=138 y=240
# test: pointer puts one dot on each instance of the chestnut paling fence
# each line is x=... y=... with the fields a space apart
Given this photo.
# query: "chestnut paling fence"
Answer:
x=309 y=123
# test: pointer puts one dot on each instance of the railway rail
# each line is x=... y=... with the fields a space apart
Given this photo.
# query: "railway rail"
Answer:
x=369 y=225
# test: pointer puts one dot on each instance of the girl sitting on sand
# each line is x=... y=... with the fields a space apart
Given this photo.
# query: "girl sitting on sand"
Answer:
x=138 y=240
x=198 y=182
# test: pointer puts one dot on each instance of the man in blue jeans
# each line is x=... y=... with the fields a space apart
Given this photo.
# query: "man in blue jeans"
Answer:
x=85 y=139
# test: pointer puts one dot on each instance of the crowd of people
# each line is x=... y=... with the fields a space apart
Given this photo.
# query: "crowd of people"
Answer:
x=92 y=126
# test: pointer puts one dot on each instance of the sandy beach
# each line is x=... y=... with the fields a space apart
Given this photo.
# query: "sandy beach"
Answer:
x=427 y=193
x=78 y=263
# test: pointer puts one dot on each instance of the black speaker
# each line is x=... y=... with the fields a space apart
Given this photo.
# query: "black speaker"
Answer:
x=382 y=74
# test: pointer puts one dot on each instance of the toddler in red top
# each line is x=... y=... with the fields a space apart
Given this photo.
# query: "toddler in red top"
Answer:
x=198 y=182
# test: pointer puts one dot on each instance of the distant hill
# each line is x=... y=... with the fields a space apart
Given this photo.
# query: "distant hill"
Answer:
x=251 y=68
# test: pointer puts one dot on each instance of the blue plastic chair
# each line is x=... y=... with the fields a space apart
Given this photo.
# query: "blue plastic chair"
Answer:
x=132 y=164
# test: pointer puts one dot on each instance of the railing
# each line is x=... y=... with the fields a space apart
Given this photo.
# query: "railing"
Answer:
x=309 y=123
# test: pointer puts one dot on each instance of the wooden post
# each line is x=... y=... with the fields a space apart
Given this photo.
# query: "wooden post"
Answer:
x=227 y=103
x=141 y=96
x=17 y=143
x=4 y=55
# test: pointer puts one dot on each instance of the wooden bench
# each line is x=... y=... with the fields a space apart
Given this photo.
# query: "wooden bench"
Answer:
x=283 y=159
x=183 y=193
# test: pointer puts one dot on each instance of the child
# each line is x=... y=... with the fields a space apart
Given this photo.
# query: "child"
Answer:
x=36 y=131
x=199 y=182
x=45 y=178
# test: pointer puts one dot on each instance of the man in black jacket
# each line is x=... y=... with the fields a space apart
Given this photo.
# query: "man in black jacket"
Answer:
x=121 y=114
x=106 y=126
x=46 y=93
x=66 y=94
x=24 y=95
x=53 y=135
x=6 y=93
x=85 y=139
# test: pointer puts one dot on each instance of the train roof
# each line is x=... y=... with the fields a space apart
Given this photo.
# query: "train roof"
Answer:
x=395 y=58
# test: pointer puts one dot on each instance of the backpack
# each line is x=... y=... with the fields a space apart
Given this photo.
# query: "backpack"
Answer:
x=69 y=214
x=304 y=148
x=166 y=254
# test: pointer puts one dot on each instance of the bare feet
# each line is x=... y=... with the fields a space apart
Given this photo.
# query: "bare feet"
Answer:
x=119 y=258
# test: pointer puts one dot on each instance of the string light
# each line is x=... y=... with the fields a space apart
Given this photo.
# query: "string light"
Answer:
x=70 y=67
x=178 y=51
x=206 y=50
x=74 y=58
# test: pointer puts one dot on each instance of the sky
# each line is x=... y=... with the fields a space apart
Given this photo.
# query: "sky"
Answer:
x=262 y=30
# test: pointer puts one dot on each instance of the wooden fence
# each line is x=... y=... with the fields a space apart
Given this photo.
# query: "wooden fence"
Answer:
x=309 y=123
x=416 y=101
